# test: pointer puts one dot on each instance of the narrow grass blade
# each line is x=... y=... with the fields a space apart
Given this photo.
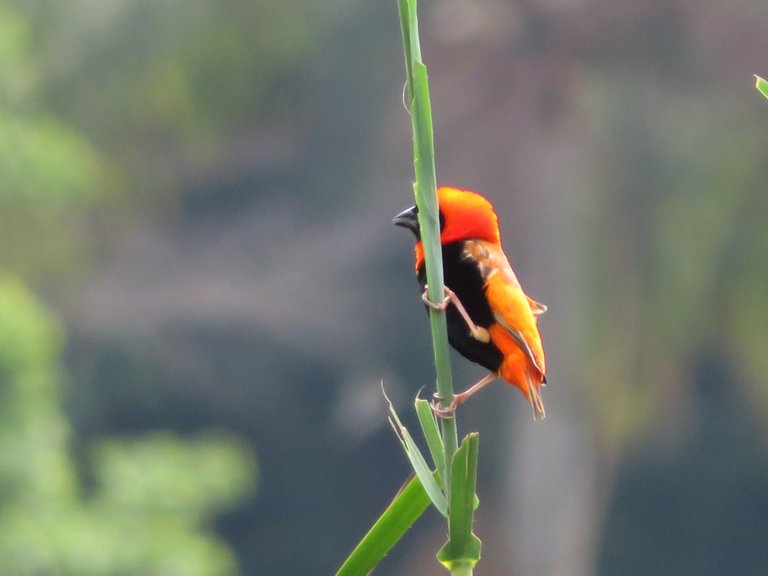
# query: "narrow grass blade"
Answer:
x=424 y=143
x=405 y=27
x=424 y=167
x=433 y=437
x=426 y=200
x=761 y=85
x=429 y=223
x=419 y=464
x=399 y=516
x=463 y=547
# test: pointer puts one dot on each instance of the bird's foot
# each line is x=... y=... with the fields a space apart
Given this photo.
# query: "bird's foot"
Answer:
x=443 y=411
x=448 y=411
x=441 y=306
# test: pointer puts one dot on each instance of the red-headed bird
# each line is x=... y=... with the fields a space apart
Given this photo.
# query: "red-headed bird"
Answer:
x=490 y=319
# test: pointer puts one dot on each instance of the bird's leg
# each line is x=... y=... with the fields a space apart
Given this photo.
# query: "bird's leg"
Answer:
x=443 y=304
x=478 y=332
x=461 y=397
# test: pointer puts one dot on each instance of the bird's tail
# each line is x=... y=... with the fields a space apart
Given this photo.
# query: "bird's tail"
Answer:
x=534 y=395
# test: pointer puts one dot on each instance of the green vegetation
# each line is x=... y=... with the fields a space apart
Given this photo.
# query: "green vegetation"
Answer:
x=143 y=505
x=451 y=486
x=195 y=200
x=148 y=507
x=761 y=85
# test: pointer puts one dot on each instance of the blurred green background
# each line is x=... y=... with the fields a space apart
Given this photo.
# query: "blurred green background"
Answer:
x=201 y=291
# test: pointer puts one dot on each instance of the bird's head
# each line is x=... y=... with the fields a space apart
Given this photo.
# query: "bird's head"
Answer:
x=464 y=215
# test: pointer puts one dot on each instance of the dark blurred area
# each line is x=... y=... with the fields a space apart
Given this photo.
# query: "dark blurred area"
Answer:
x=201 y=292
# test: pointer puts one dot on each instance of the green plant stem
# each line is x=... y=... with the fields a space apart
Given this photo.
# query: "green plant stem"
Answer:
x=450 y=488
x=429 y=220
x=462 y=570
x=425 y=190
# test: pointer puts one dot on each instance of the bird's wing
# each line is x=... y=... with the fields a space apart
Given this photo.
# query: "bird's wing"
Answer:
x=513 y=310
x=520 y=340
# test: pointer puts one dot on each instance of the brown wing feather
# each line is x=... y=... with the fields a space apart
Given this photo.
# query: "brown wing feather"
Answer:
x=512 y=308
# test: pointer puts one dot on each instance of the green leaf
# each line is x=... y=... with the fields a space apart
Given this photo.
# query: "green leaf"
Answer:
x=761 y=85
x=424 y=167
x=418 y=463
x=433 y=437
x=406 y=507
x=429 y=220
x=463 y=547
x=463 y=551
x=405 y=24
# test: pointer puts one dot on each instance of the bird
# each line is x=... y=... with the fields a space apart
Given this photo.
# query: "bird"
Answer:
x=490 y=319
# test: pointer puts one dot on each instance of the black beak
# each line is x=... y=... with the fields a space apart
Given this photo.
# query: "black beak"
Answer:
x=408 y=219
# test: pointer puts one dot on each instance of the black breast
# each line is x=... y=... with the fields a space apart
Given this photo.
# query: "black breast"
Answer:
x=463 y=277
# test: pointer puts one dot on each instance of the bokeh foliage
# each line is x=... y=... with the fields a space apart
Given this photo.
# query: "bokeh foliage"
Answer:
x=188 y=119
x=144 y=505
x=149 y=504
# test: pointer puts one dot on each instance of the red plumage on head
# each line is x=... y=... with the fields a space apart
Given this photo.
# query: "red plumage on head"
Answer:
x=466 y=215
